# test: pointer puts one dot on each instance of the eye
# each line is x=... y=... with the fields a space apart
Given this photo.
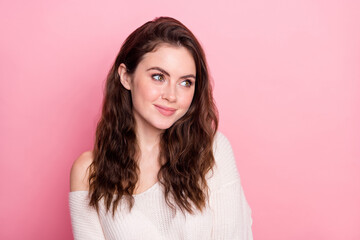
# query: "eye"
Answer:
x=186 y=83
x=158 y=77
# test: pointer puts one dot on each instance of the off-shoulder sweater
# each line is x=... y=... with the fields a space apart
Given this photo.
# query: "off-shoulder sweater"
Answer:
x=227 y=216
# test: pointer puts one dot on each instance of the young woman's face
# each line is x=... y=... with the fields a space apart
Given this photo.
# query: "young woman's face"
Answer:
x=162 y=86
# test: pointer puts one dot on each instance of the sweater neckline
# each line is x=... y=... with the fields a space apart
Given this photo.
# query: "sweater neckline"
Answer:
x=150 y=189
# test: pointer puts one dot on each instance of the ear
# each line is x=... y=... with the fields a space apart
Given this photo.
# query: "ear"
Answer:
x=124 y=76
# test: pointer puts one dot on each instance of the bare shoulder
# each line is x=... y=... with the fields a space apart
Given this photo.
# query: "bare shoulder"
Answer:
x=79 y=174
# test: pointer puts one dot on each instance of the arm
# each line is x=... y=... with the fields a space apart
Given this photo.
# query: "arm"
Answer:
x=232 y=214
x=84 y=219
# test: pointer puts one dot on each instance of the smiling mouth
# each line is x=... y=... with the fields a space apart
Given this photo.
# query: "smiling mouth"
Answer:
x=165 y=111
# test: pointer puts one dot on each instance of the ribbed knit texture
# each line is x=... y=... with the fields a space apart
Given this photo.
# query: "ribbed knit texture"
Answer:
x=228 y=215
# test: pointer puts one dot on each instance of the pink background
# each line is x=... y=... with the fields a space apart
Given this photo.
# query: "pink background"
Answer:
x=287 y=84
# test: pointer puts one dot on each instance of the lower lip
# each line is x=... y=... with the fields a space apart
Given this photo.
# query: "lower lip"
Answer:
x=165 y=112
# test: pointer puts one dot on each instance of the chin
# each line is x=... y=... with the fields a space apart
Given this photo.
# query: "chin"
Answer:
x=163 y=125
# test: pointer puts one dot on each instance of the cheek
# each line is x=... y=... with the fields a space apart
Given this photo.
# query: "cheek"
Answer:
x=147 y=91
x=186 y=99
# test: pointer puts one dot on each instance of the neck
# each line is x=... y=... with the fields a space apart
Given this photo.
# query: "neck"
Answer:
x=148 y=137
x=148 y=140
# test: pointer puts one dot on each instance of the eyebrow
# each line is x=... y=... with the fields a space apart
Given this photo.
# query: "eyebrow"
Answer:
x=166 y=73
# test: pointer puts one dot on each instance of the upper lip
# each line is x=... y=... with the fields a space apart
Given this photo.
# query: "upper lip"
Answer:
x=165 y=108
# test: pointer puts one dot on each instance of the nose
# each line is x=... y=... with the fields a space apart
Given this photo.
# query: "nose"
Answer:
x=169 y=93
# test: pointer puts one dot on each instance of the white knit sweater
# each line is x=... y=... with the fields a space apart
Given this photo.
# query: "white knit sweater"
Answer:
x=228 y=215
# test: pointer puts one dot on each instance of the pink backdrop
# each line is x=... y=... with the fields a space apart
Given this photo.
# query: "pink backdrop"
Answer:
x=287 y=84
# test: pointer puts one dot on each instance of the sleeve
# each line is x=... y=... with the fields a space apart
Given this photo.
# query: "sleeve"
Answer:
x=84 y=219
x=231 y=212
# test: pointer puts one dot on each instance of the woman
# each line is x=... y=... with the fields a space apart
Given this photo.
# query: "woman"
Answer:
x=159 y=168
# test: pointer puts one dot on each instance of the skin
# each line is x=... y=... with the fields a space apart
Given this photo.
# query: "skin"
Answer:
x=166 y=78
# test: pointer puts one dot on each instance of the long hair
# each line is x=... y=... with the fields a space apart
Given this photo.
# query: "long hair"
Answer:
x=185 y=147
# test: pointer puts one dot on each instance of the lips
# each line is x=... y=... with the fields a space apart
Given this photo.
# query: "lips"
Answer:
x=166 y=111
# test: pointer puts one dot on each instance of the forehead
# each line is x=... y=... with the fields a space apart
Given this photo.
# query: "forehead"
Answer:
x=172 y=58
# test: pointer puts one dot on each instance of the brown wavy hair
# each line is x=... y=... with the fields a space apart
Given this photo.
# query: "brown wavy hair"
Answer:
x=185 y=154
